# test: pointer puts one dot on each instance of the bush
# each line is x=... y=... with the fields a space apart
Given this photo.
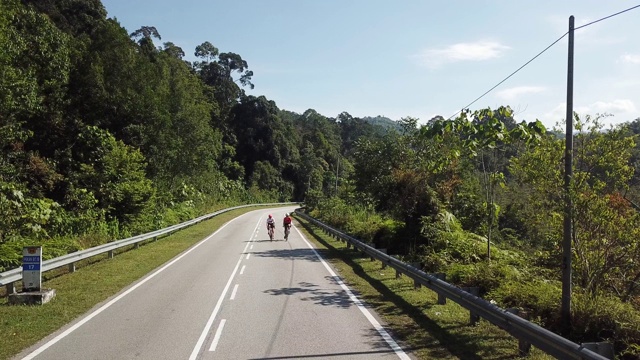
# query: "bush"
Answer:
x=486 y=276
x=604 y=318
x=540 y=298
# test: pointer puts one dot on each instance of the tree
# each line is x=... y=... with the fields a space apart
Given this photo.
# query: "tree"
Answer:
x=483 y=138
x=605 y=227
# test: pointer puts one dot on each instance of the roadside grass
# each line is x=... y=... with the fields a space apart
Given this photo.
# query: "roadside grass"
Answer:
x=428 y=330
x=94 y=281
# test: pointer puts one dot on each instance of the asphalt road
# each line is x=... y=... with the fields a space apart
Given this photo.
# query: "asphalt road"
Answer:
x=234 y=295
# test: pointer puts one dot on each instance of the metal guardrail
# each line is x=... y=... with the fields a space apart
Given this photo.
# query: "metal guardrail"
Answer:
x=547 y=341
x=8 y=278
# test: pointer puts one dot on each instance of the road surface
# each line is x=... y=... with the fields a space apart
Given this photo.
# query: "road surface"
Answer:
x=234 y=295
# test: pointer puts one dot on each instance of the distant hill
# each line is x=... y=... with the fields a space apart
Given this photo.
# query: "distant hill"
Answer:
x=384 y=122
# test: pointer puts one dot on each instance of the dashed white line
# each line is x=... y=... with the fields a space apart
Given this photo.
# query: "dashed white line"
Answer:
x=207 y=327
x=242 y=270
x=249 y=254
x=216 y=338
x=233 y=293
x=251 y=247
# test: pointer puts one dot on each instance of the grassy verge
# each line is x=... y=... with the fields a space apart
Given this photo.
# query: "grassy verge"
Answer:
x=429 y=330
x=93 y=283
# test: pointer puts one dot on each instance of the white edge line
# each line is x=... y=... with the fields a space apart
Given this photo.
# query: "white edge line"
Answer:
x=233 y=293
x=207 y=327
x=216 y=338
x=116 y=299
x=385 y=335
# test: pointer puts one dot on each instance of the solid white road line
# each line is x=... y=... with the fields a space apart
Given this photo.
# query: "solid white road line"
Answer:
x=116 y=299
x=207 y=327
x=233 y=293
x=385 y=335
x=216 y=338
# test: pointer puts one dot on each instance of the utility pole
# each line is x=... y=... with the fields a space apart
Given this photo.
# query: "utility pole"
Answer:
x=337 y=169
x=565 y=312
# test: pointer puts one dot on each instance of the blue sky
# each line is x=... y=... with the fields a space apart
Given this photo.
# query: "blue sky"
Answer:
x=414 y=58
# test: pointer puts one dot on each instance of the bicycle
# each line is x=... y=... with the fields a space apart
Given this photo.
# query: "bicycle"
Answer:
x=271 y=230
x=287 y=230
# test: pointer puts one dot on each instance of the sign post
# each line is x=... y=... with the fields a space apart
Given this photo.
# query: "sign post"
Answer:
x=31 y=268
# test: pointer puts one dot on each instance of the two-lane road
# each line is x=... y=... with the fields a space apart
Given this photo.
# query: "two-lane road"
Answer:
x=234 y=295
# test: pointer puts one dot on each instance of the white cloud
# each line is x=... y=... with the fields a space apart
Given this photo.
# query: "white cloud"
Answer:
x=615 y=106
x=515 y=92
x=475 y=51
x=631 y=58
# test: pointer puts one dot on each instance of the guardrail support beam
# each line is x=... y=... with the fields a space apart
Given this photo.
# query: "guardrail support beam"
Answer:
x=524 y=347
x=72 y=267
x=442 y=299
x=416 y=284
x=384 y=264
x=110 y=254
x=473 y=318
x=11 y=288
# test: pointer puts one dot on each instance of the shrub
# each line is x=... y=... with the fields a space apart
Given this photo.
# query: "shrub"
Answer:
x=606 y=318
x=486 y=276
x=540 y=298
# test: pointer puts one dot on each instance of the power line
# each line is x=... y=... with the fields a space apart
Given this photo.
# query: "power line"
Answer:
x=540 y=53
x=606 y=17
x=510 y=75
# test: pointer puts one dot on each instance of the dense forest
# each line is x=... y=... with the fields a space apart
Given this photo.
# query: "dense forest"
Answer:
x=106 y=133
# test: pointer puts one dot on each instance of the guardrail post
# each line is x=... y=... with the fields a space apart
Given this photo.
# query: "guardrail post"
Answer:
x=416 y=284
x=11 y=288
x=442 y=300
x=384 y=251
x=601 y=348
x=473 y=318
x=398 y=274
x=523 y=346
x=110 y=254
x=348 y=245
x=72 y=267
x=137 y=246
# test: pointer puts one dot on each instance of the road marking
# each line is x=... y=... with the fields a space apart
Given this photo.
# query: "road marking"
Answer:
x=207 y=327
x=216 y=338
x=251 y=247
x=249 y=254
x=233 y=293
x=385 y=335
x=116 y=299
x=242 y=270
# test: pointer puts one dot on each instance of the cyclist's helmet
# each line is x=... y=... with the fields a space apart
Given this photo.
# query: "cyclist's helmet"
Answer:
x=269 y=216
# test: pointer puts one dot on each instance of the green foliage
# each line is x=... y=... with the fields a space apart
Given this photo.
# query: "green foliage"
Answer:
x=23 y=216
x=114 y=173
x=358 y=221
x=487 y=276
x=606 y=318
x=538 y=297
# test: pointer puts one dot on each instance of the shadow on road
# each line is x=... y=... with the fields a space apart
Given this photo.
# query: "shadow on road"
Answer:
x=312 y=292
